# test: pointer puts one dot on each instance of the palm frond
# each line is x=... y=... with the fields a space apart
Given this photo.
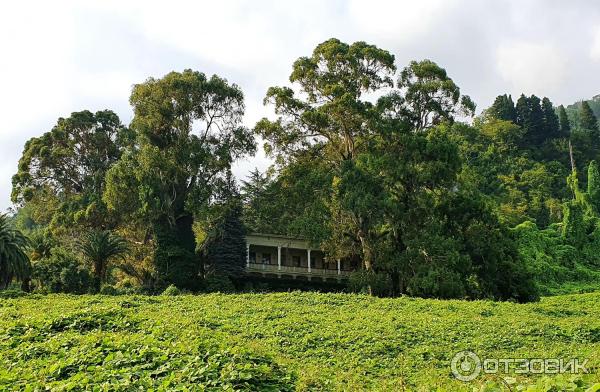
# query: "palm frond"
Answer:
x=14 y=262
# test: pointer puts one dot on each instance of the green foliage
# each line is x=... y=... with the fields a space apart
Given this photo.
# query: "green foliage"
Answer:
x=587 y=119
x=175 y=258
x=63 y=171
x=557 y=265
x=573 y=225
x=62 y=273
x=172 y=290
x=218 y=283
x=188 y=132
x=226 y=246
x=430 y=96
x=503 y=108
x=565 y=124
x=14 y=262
x=286 y=342
x=100 y=248
x=369 y=282
x=593 y=186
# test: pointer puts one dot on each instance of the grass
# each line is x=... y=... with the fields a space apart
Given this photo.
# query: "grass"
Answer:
x=286 y=341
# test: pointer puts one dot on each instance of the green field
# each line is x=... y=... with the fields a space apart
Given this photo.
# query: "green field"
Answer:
x=287 y=341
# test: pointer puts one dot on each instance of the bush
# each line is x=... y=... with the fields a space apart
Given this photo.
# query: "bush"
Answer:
x=218 y=283
x=62 y=273
x=360 y=281
x=12 y=293
x=107 y=289
x=172 y=290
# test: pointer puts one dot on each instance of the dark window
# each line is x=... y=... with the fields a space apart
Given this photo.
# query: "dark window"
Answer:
x=253 y=257
x=266 y=258
x=296 y=261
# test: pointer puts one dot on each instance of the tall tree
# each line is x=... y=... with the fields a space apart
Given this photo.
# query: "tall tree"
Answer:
x=587 y=119
x=503 y=108
x=226 y=248
x=188 y=132
x=14 y=262
x=331 y=111
x=331 y=115
x=64 y=169
x=551 y=122
x=565 y=125
x=531 y=118
x=430 y=96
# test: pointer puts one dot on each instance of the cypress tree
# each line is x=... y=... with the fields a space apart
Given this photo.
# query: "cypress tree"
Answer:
x=530 y=117
x=587 y=119
x=503 y=108
x=563 y=119
x=551 y=123
x=522 y=111
x=226 y=252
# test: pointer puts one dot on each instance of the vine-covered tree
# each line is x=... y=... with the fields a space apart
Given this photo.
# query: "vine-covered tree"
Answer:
x=593 y=186
x=188 y=132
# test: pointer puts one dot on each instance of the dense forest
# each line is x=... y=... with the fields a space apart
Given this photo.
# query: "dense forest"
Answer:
x=387 y=166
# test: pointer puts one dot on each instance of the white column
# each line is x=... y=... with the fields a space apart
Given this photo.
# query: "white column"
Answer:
x=279 y=258
x=309 y=261
x=247 y=255
x=339 y=265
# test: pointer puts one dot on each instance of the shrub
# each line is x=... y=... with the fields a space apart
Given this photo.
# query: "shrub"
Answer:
x=172 y=290
x=62 y=272
x=379 y=283
x=218 y=283
x=108 y=289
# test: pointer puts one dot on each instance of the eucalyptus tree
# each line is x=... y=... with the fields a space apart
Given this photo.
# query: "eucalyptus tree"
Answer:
x=428 y=96
x=61 y=174
x=188 y=131
x=329 y=112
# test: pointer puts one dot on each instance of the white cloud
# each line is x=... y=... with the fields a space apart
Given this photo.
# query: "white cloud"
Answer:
x=59 y=57
x=595 y=48
x=399 y=21
x=534 y=68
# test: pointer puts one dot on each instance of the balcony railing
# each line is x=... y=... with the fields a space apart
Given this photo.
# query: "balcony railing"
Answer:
x=284 y=269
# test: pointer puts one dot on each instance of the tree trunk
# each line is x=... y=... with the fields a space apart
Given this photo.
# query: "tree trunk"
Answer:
x=367 y=257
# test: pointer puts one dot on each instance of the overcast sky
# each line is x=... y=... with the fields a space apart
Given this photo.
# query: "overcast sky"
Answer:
x=57 y=57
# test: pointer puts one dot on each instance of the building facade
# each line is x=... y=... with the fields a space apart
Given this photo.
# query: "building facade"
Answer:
x=277 y=256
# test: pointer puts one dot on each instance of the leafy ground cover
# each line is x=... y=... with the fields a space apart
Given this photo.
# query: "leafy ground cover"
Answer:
x=286 y=341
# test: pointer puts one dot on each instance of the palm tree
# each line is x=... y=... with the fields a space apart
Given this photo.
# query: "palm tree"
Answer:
x=101 y=247
x=14 y=262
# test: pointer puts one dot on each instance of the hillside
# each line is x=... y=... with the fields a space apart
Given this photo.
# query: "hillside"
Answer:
x=573 y=109
x=289 y=341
